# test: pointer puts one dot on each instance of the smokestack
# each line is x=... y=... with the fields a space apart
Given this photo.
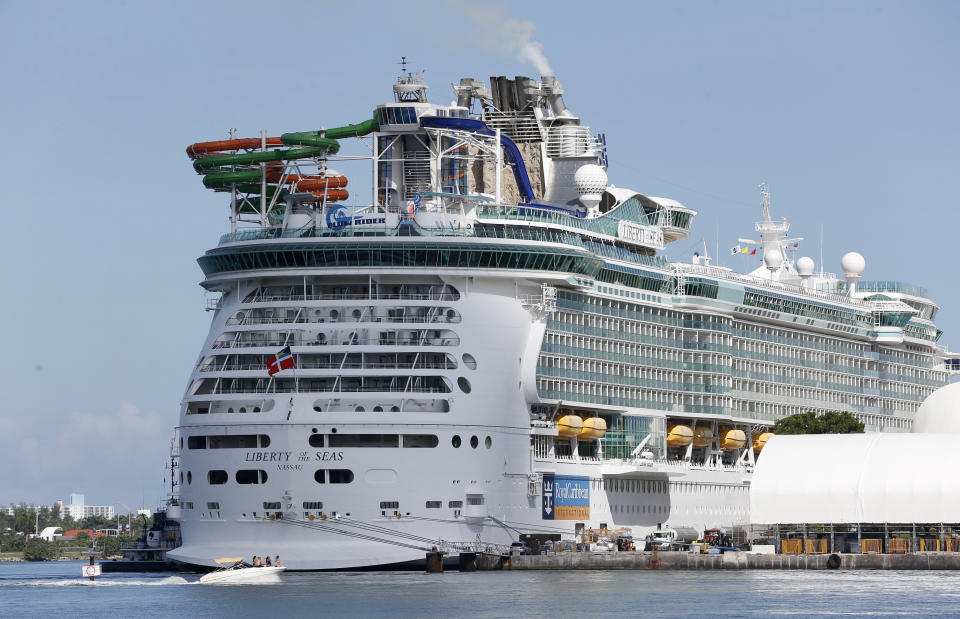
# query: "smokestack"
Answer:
x=506 y=94
x=464 y=94
x=555 y=98
x=526 y=91
x=495 y=92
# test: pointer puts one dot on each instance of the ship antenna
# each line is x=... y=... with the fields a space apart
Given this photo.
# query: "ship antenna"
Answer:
x=403 y=64
x=765 y=202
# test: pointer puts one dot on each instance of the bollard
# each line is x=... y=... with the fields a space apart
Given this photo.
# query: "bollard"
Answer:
x=434 y=562
x=468 y=562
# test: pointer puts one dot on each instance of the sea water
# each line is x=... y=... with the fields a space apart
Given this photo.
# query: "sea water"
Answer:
x=56 y=589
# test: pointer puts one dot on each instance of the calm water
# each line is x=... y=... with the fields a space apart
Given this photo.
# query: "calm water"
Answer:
x=32 y=589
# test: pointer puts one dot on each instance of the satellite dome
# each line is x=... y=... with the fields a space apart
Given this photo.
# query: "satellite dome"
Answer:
x=590 y=179
x=772 y=258
x=805 y=266
x=853 y=264
x=938 y=413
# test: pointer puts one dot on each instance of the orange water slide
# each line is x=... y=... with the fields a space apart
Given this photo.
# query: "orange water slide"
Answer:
x=201 y=149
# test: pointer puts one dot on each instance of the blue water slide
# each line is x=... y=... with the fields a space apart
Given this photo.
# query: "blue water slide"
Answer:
x=510 y=150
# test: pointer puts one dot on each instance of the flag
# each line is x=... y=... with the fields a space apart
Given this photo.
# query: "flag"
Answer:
x=745 y=250
x=735 y=250
x=753 y=252
x=795 y=247
x=696 y=254
x=283 y=360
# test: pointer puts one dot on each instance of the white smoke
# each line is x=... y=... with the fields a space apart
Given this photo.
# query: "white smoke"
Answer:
x=501 y=34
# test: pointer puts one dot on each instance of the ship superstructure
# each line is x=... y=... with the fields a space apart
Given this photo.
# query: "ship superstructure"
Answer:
x=495 y=344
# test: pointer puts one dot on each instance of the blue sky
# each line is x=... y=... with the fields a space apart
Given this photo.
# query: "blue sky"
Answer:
x=847 y=110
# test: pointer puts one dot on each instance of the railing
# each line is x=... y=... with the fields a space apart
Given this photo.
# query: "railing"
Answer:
x=347 y=341
x=759 y=282
x=255 y=320
x=335 y=366
x=435 y=296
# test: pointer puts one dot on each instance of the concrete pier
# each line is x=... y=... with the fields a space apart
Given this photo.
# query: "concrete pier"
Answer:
x=732 y=561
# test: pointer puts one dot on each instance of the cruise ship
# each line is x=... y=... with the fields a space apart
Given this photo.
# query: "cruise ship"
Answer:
x=494 y=344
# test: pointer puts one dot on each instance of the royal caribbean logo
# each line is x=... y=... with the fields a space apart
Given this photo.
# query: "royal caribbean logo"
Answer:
x=338 y=217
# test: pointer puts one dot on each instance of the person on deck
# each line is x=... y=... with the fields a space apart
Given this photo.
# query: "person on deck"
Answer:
x=269 y=564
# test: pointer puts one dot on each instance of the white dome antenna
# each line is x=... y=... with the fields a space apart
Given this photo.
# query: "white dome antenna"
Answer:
x=853 y=266
x=805 y=267
x=590 y=181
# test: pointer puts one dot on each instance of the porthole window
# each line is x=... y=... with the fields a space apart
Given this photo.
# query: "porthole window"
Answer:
x=189 y=478
x=317 y=312
x=230 y=410
x=251 y=476
x=474 y=441
x=317 y=409
x=357 y=313
x=394 y=409
x=321 y=338
x=240 y=315
x=243 y=409
x=340 y=476
x=456 y=440
x=469 y=361
x=488 y=442
x=464 y=384
x=451 y=314
x=316 y=440
x=334 y=314
x=256 y=409
x=378 y=409
x=215 y=478
x=359 y=409
x=320 y=476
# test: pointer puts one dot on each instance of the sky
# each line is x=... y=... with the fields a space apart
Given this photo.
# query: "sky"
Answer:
x=848 y=111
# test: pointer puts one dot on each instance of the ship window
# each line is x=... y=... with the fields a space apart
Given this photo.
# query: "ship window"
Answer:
x=196 y=442
x=340 y=476
x=235 y=441
x=364 y=440
x=189 y=478
x=434 y=504
x=317 y=409
x=215 y=478
x=271 y=505
x=394 y=409
x=312 y=505
x=456 y=440
x=389 y=504
x=251 y=476
x=320 y=476
x=213 y=505
x=475 y=500
x=488 y=442
x=464 y=384
x=455 y=504
x=357 y=313
x=469 y=361
x=316 y=440
x=378 y=409
x=474 y=441
x=188 y=505
x=334 y=314
x=420 y=440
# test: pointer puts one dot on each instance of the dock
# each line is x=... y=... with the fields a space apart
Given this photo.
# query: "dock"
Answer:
x=732 y=561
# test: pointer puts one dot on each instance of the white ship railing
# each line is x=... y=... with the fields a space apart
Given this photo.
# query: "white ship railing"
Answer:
x=759 y=282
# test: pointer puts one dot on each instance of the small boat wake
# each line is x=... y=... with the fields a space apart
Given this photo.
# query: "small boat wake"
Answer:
x=101 y=581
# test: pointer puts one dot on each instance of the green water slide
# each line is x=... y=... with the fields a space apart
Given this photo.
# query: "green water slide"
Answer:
x=219 y=175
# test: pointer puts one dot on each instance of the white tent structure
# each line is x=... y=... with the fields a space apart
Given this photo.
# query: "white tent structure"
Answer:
x=865 y=478
x=857 y=478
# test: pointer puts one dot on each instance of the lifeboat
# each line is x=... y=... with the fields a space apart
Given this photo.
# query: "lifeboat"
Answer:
x=593 y=428
x=731 y=439
x=569 y=426
x=679 y=436
x=760 y=440
x=702 y=437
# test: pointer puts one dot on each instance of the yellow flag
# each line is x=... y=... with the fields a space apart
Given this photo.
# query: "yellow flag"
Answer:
x=745 y=250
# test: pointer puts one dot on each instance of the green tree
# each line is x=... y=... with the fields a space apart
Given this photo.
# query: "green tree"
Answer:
x=4 y=524
x=24 y=521
x=811 y=423
x=38 y=550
